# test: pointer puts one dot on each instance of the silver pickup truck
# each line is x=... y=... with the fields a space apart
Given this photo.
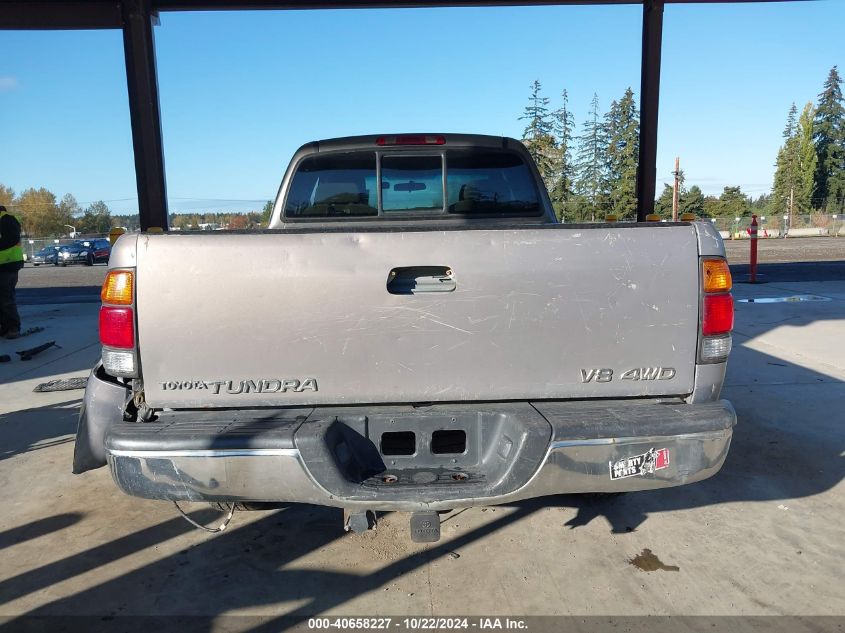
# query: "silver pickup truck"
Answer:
x=414 y=332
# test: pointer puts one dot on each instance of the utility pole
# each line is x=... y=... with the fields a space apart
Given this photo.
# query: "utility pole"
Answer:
x=787 y=219
x=675 y=192
x=791 y=207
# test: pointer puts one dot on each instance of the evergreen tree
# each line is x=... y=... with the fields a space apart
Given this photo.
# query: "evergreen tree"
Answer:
x=787 y=166
x=791 y=122
x=563 y=124
x=762 y=203
x=732 y=203
x=807 y=160
x=663 y=204
x=255 y=220
x=266 y=212
x=829 y=135
x=96 y=219
x=711 y=207
x=682 y=192
x=538 y=136
x=796 y=164
x=764 y=206
x=591 y=181
x=692 y=201
x=622 y=125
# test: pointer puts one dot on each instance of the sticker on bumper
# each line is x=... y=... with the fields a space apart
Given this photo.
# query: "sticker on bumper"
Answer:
x=643 y=464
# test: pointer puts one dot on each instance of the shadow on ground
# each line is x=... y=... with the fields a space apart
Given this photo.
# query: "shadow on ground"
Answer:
x=38 y=528
x=53 y=295
x=792 y=271
x=42 y=427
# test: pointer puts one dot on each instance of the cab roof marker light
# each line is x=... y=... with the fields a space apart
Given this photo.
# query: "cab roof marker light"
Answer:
x=411 y=139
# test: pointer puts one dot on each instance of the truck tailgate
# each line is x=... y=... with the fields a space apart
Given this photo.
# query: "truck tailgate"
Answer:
x=278 y=318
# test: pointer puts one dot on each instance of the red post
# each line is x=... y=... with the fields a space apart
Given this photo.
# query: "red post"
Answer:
x=752 y=232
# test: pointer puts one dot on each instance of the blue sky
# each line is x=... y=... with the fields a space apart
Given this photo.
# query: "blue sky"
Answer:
x=241 y=91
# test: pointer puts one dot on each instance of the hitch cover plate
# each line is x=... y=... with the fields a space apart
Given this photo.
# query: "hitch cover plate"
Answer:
x=425 y=527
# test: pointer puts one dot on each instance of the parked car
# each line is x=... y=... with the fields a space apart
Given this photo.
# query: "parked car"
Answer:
x=88 y=252
x=46 y=255
x=416 y=333
x=101 y=250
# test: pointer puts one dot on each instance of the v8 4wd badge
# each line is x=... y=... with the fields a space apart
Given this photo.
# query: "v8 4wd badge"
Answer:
x=643 y=464
x=605 y=374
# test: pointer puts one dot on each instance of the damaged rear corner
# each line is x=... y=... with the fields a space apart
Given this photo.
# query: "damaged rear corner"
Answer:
x=106 y=399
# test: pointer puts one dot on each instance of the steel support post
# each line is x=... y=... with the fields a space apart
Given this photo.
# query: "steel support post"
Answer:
x=144 y=112
x=649 y=101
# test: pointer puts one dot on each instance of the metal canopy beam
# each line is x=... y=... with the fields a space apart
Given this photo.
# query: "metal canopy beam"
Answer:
x=235 y=5
x=47 y=14
x=144 y=113
x=228 y=5
x=649 y=102
x=136 y=19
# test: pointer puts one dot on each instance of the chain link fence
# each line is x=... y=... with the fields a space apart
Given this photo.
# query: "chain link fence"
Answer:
x=810 y=225
x=813 y=225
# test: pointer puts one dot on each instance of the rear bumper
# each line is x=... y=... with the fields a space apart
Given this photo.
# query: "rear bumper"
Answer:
x=514 y=451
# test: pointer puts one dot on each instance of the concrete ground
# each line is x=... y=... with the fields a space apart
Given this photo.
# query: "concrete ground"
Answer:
x=764 y=536
x=798 y=249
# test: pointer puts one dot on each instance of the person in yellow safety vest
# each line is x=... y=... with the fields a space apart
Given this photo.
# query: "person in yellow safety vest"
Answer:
x=11 y=261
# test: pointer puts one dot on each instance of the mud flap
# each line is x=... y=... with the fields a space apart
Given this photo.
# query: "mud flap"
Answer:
x=103 y=405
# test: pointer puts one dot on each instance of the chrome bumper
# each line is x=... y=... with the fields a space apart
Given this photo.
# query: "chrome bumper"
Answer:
x=691 y=445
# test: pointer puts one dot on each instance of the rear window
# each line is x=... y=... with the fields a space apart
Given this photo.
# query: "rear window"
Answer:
x=490 y=183
x=482 y=183
x=412 y=183
x=334 y=185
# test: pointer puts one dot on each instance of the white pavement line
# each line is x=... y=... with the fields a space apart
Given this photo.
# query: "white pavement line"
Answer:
x=792 y=291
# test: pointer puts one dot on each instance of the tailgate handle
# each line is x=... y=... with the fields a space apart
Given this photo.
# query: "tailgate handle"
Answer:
x=412 y=280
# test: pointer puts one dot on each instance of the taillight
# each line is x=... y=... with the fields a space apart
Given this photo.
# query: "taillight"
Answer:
x=716 y=276
x=717 y=314
x=717 y=311
x=117 y=327
x=117 y=324
x=412 y=139
x=117 y=288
